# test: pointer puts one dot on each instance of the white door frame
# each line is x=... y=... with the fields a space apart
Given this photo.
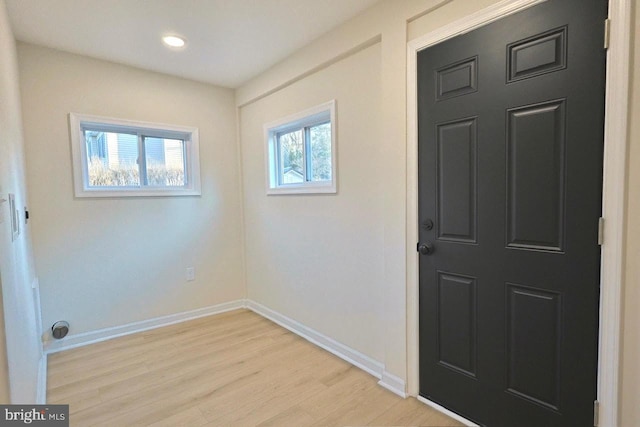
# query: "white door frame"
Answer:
x=613 y=202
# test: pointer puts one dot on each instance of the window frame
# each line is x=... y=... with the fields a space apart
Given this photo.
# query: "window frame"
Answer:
x=302 y=121
x=79 y=122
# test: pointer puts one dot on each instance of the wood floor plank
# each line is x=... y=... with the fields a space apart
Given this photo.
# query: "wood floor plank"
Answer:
x=178 y=370
x=357 y=382
x=191 y=383
x=410 y=412
x=78 y=402
x=233 y=369
x=278 y=402
x=294 y=416
x=361 y=409
x=96 y=381
x=197 y=390
x=190 y=418
x=274 y=379
x=195 y=386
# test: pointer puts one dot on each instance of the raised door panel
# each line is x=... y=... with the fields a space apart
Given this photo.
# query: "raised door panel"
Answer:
x=457 y=180
x=457 y=322
x=533 y=344
x=536 y=176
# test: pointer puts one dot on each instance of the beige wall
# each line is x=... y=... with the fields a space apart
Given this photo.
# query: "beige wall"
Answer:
x=319 y=258
x=630 y=377
x=20 y=347
x=109 y=262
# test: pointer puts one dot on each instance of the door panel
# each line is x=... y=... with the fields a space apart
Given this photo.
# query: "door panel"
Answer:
x=535 y=176
x=457 y=79
x=542 y=53
x=533 y=344
x=457 y=322
x=510 y=121
x=457 y=187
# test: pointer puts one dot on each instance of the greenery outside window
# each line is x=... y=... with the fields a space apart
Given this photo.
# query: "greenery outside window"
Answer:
x=116 y=158
x=301 y=152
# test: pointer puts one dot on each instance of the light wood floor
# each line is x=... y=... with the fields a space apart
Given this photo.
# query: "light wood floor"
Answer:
x=234 y=369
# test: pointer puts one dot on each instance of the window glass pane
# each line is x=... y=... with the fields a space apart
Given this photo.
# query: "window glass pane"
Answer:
x=112 y=159
x=291 y=157
x=165 y=162
x=320 y=144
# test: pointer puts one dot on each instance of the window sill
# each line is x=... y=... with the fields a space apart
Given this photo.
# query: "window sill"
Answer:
x=329 y=188
x=97 y=193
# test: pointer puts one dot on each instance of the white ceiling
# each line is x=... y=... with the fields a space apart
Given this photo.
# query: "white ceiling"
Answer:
x=228 y=41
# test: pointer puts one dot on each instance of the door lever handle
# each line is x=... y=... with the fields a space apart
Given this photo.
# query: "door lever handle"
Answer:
x=425 y=248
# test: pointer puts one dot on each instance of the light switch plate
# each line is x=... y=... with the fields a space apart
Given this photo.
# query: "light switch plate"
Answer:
x=3 y=201
x=14 y=213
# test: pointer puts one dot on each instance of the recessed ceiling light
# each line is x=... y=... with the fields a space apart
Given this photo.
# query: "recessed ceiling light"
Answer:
x=173 y=41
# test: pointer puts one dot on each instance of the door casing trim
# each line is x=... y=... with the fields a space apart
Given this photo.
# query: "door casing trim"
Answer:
x=613 y=199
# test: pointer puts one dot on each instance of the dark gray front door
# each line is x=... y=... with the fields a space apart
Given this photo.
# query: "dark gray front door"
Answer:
x=510 y=175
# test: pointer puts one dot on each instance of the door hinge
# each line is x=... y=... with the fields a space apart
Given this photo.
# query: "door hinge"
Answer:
x=596 y=413
x=600 y=231
x=607 y=32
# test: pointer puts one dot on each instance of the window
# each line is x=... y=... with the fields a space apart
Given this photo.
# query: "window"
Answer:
x=301 y=152
x=115 y=158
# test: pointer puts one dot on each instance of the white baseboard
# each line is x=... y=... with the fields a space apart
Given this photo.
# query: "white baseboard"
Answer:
x=447 y=412
x=394 y=384
x=344 y=352
x=376 y=368
x=41 y=390
x=86 y=338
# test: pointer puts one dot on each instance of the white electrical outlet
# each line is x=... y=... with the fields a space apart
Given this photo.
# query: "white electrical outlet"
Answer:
x=191 y=274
